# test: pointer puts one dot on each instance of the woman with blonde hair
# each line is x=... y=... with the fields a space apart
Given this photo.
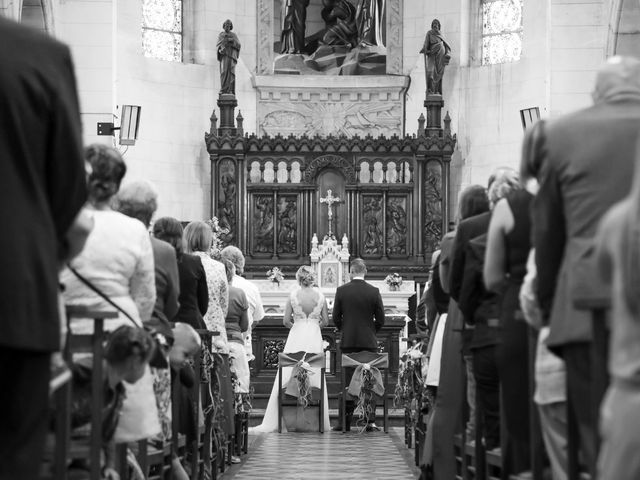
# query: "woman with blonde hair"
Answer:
x=305 y=314
x=198 y=238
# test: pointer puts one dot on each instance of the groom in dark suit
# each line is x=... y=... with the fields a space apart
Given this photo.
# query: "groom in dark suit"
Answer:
x=358 y=314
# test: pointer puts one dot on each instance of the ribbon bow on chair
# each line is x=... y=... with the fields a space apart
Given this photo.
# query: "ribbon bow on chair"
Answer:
x=303 y=364
x=371 y=362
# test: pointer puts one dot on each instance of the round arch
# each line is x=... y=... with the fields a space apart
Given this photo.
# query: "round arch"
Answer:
x=623 y=33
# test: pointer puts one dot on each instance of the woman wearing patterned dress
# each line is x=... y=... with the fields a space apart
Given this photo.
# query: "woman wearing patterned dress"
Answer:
x=305 y=313
x=198 y=238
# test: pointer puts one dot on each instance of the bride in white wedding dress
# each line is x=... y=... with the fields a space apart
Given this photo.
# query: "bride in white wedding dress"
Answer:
x=305 y=313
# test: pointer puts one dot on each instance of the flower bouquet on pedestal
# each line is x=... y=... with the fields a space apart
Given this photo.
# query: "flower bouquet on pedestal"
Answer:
x=393 y=280
x=275 y=275
x=218 y=232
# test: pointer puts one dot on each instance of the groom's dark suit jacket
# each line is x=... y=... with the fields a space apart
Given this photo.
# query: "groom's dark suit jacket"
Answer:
x=358 y=313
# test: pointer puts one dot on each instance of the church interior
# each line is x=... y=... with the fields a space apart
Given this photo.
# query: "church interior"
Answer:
x=325 y=133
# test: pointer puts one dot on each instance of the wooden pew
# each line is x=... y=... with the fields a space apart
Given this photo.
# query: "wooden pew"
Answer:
x=94 y=344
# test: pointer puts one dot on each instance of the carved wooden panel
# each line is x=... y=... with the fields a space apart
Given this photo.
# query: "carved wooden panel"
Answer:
x=371 y=231
x=288 y=224
x=432 y=205
x=396 y=221
x=262 y=224
x=227 y=200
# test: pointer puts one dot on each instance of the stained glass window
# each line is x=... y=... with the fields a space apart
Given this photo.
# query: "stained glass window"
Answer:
x=501 y=31
x=162 y=29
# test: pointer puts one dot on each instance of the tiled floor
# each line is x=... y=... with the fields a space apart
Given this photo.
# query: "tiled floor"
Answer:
x=333 y=455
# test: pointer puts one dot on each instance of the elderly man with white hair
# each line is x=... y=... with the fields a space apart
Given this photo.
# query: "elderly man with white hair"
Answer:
x=256 y=310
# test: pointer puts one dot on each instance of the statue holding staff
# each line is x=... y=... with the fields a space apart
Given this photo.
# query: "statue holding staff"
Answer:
x=228 y=47
x=436 y=56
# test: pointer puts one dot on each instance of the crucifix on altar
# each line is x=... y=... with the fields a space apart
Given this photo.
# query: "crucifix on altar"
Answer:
x=329 y=200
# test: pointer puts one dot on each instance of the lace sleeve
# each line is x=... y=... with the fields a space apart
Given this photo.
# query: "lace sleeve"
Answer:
x=142 y=283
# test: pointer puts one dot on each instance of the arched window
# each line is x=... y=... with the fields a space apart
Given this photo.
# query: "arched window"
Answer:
x=162 y=29
x=501 y=31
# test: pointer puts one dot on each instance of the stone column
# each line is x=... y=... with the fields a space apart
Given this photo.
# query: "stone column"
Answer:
x=227 y=103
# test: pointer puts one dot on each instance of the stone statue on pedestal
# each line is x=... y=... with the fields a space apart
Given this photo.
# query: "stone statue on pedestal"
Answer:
x=228 y=47
x=294 y=19
x=437 y=55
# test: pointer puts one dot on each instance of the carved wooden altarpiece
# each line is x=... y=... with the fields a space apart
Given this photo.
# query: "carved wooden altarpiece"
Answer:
x=394 y=196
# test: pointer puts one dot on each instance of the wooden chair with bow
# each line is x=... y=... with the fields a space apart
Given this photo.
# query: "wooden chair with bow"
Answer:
x=368 y=365
x=303 y=364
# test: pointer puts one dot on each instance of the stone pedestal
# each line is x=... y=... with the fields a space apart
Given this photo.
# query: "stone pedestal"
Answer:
x=227 y=103
x=434 y=104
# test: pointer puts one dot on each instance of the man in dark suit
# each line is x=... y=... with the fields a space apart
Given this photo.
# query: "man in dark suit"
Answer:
x=43 y=188
x=358 y=313
x=587 y=166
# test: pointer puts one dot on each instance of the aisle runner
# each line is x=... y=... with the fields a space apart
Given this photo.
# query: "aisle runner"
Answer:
x=309 y=456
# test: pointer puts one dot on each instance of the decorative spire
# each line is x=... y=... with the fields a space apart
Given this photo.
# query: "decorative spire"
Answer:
x=239 y=120
x=214 y=123
x=447 y=124
x=421 y=121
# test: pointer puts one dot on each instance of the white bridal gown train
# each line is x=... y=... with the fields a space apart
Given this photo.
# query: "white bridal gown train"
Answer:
x=305 y=335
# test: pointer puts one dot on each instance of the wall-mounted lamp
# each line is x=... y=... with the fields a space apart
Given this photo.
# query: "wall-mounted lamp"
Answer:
x=529 y=116
x=129 y=124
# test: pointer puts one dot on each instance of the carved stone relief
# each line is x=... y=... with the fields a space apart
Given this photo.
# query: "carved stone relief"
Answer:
x=227 y=200
x=372 y=240
x=287 y=224
x=396 y=225
x=338 y=118
x=265 y=37
x=394 y=37
x=321 y=105
x=433 y=206
x=263 y=222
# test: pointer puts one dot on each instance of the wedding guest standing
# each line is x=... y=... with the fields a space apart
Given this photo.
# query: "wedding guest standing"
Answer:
x=256 y=310
x=618 y=242
x=237 y=322
x=198 y=238
x=454 y=371
x=550 y=374
x=508 y=246
x=43 y=189
x=117 y=260
x=576 y=189
x=139 y=200
x=194 y=293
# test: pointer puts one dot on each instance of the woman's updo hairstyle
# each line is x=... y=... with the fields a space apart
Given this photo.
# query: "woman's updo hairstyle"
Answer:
x=107 y=171
x=170 y=230
x=126 y=342
x=306 y=276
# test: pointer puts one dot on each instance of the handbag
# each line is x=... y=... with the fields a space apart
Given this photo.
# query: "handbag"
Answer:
x=160 y=353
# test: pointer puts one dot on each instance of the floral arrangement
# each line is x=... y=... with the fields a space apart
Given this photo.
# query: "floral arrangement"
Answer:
x=411 y=393
x=218 y=232
x=394 y=280
x=275 y=275
x=364 y=405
